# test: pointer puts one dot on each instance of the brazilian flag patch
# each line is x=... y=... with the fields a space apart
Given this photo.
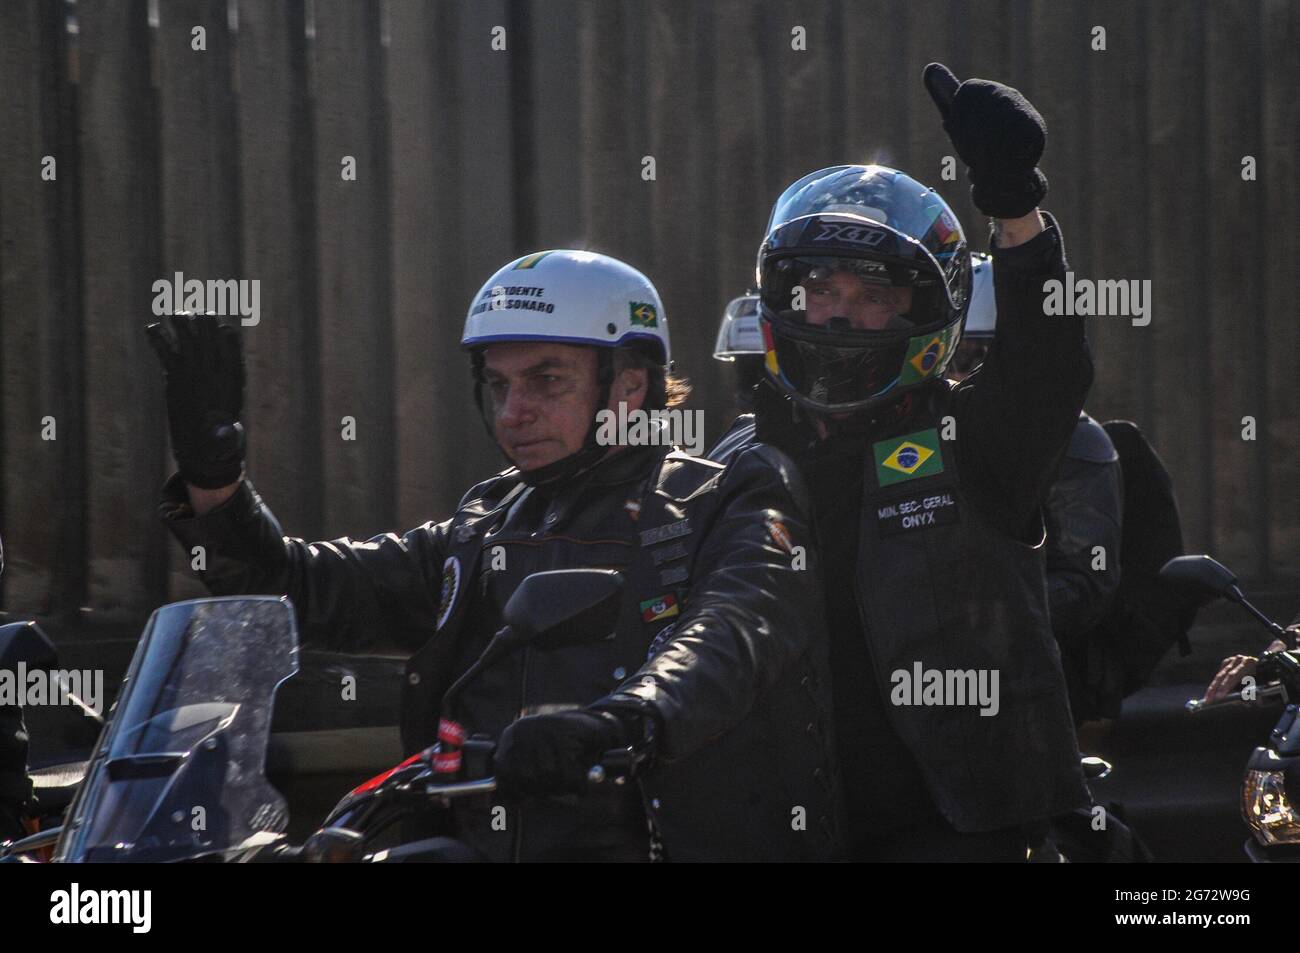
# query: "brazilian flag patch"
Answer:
x=908 y=458
x=660 y=607
x=925 y=355
x=643 y=315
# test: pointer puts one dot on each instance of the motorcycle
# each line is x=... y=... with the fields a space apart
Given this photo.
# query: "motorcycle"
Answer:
x=178 y=773
x=1271 y=785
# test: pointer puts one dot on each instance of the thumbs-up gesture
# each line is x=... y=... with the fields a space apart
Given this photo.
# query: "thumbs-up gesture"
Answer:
x=1000 y=137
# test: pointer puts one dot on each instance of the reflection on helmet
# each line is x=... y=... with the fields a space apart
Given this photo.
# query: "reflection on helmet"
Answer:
x=836 y=345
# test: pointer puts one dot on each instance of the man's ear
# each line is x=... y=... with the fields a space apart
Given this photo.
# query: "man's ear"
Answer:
x=629 y=386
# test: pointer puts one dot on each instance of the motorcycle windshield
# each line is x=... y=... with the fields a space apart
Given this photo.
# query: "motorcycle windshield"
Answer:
x=178 y=771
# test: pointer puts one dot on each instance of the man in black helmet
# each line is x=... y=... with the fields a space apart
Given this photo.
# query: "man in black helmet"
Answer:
x=952 y=719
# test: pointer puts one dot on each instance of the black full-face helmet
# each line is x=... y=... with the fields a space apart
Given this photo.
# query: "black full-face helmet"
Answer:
x=860 y=234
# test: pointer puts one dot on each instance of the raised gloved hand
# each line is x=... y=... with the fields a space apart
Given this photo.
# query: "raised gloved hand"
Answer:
x=551 y=754
x=1000 y=137
x=203 y=364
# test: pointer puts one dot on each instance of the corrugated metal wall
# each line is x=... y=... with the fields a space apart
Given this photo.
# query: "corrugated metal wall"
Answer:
x=225 y=163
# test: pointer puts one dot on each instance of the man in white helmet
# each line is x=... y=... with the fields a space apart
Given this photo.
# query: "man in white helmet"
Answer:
x=715 y=669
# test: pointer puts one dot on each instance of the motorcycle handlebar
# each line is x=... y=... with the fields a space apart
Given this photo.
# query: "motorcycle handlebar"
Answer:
x=1195 y=706
x=339 y=843
x=617 y=765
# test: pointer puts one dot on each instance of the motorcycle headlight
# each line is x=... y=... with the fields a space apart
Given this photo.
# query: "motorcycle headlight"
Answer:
x=1270 y=812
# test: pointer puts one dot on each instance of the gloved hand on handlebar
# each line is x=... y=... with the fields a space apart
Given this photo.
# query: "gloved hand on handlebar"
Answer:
x=551 y=754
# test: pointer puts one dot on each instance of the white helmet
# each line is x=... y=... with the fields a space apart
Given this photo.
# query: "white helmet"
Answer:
x=571 y=297
x=739 y=334
x=982 y=315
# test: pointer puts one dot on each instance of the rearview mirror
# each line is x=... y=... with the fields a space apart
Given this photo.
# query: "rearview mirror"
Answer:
x=549 y=610
x=1203 y=574
x=564 y=607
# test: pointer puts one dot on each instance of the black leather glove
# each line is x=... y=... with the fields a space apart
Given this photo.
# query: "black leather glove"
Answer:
x=551 y=754
x=11 y=821
x=203 y=364
x=1000 y=137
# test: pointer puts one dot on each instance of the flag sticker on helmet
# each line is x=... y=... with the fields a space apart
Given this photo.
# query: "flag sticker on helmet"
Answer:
x=928 y=359
x=908 y=458
x=926 y=355
x=948 y=233
x=769 y=350
x=945 y=227
x=643 y=315
x=530 y=261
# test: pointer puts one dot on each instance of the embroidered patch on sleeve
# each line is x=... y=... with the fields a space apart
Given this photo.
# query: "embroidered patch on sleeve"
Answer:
x=660 y=607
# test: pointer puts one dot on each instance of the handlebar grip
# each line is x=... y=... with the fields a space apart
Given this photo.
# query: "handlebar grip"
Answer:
x=1196 y=705
x=617 y=765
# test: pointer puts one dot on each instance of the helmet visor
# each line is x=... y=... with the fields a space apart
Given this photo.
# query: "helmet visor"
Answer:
x=852 y=294
x=828 y=375
x=842 y=333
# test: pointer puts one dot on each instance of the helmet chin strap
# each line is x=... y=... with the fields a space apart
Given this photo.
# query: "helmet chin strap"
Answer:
x=585 y=457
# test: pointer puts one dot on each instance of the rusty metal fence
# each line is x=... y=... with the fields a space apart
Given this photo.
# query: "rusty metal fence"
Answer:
x=214 y=138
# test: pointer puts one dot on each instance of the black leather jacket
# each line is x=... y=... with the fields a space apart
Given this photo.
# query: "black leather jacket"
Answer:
x=720 y=639
x=1084 y=511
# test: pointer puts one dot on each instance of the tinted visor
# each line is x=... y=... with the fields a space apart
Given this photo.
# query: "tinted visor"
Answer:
x=849 y=294
x=829 y=375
